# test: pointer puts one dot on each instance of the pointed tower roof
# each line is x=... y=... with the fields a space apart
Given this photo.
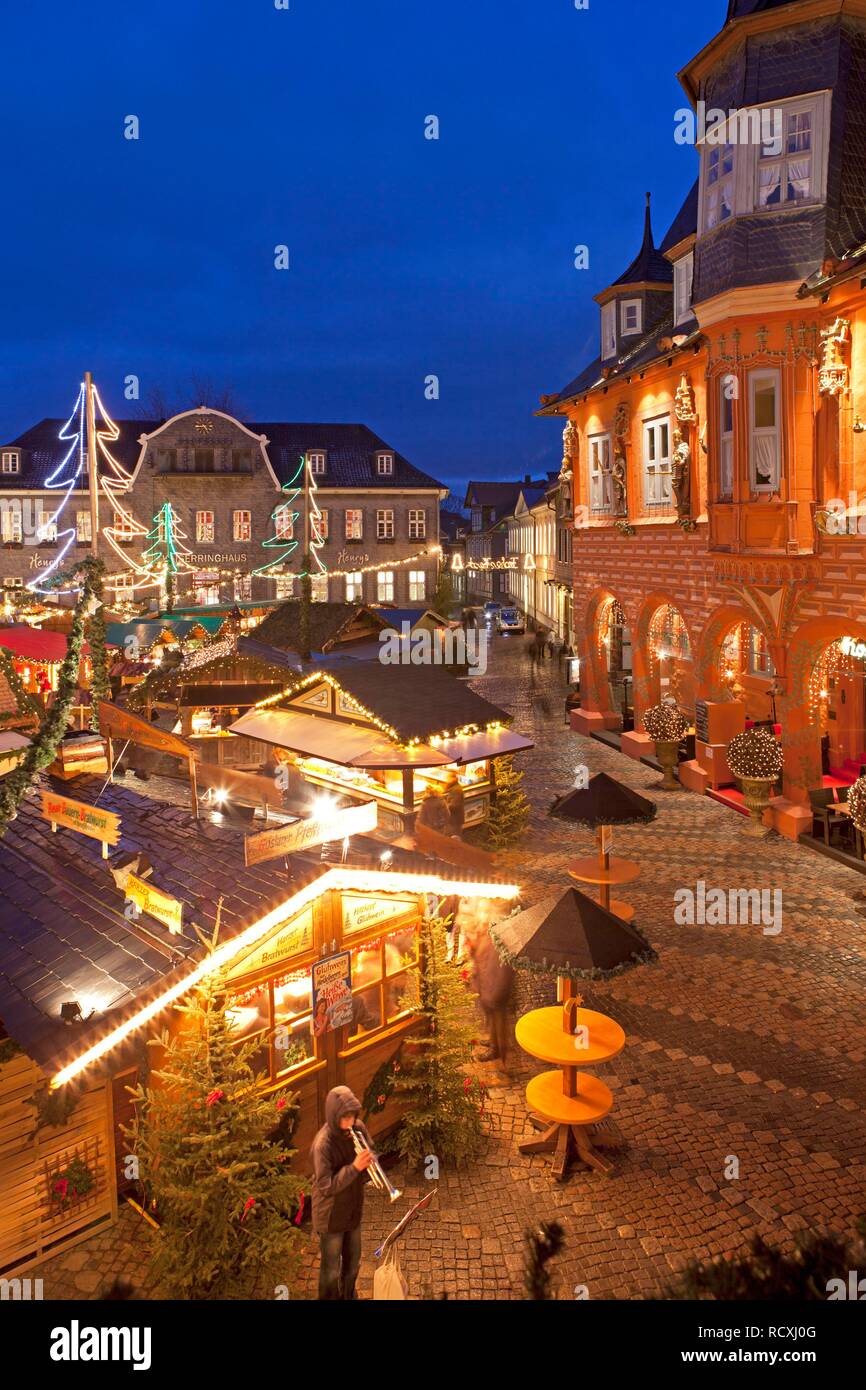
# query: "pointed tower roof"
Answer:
x=649 y=266
x=738 y=9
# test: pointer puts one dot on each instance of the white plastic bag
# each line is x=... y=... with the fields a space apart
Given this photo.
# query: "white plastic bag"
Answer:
x=388 y=1281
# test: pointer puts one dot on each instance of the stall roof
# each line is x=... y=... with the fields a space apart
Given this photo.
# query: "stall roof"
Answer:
x=349 y=745
x=32 y=644
x=64 y=935
x=148 y=631
x=230 y=695
x=491 y=743
x=416 y=701
x=330 y=623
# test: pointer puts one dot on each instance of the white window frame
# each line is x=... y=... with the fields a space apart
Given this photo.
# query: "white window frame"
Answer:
x=657 y=462
x=318 y=461
x=123 y=584
x=354 y=530
x=355 y=587
x=11 y=461
x=83 y=526
x=323 y=523
x=319 y=584
x=608 y=330
x=719 y=184
x=684 y=270
x=124 y=527
x=242 y=525
x=417 y=524
x=765 y=432
x=418 y=585
x=13 y=581
x=243 y=588
x=627 y=330
x=284 y=523
x=285 y=586
x=11 y=521
x=385 y=586
x=204 y=526
x=787 y=158
x=385 y=464
x=726 y=442
x=384 y=525
x=599 y=461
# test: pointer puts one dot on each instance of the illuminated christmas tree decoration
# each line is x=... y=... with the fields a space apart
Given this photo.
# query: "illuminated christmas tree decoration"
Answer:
x=285 y=519
x=66 y=475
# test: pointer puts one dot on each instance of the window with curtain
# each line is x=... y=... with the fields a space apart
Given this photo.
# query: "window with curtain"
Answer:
x=683 y=275
x=764 y=452
x=726 y=436
x=786 y=176
x=657 y=462
x=417 y=585
x=10 y=516
x=600 y=485
x=719 y=185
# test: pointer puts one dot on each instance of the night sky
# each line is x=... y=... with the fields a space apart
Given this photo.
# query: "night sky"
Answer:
x=408 y=257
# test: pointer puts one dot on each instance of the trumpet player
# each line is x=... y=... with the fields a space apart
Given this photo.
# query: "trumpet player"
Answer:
x=338 y=1193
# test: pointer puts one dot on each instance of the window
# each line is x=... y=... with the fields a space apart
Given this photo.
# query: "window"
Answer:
x=600 y=486
x=317 y=459
x=355 y=587
x=11 y=461
x=384 y=465
x=727 y=387
x=47 y=527
x=760 y=661
x=204 y=526
x=608 y=330
x=477 y=522
x=83 y=532
x=684 y=270
x=417 y=586
x=764 y=453
x=243 y=588
x=124 y=527
x=384 y=980
x=384 y=526
x=204 y=460
x=719 y=194
x=630 y=317
x=242 y=526
x=242 y=460
x=354 y=525
x=657 y=462
x=417 y=525
x=284 y=523
x=320 y=524
x=124 y=587
x=320 y=588
x=206 y=587
x=385 y=586
x=13 y=582
x=285 y=586
x=786 y=175
x=10 y=519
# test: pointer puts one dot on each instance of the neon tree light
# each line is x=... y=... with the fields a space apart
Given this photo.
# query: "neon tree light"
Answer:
x=77 y=460
x=167 y=553
x=317 y=540
x=283 y=539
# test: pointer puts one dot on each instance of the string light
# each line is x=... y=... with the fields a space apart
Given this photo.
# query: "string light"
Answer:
x=78 y=445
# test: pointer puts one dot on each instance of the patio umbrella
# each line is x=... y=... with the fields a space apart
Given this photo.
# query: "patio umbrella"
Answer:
x=599 y=806
x=570 y=936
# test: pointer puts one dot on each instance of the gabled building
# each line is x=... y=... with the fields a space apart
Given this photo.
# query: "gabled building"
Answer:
x=487 y=559
x=717 y=438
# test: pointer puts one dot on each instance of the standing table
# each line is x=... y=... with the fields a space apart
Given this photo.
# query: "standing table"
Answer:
x=563 y=1105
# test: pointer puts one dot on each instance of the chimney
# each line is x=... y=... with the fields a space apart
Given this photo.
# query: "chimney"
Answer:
x=527 y=478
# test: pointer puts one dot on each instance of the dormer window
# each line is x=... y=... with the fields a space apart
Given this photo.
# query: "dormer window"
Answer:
x=608 y=331
x=317 y=459
x=11 y=461
x=385 y=465
x=684 y=270
x=630 y=321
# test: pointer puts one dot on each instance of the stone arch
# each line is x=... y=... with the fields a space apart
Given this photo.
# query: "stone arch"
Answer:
x=708 y=672
x=644 y=660
x=801 y=734
x=595 y=695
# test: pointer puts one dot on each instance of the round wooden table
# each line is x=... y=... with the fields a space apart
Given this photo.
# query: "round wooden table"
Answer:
x=561 y=1104
x=604 y=872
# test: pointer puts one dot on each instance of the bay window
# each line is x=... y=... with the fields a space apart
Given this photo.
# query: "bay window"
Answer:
x=786 y=175
x=764 y=446
x=630 y=317
x=657 y=462
x=719 y=192
x=600 y=486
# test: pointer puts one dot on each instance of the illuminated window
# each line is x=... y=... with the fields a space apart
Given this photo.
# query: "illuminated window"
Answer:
x=657 y=462
x=241 y=526
x=10 y=518
x=600 y=483
x=83 y=532
x=285 y=586
x=727 y=392
x=385 y=586
x=204 y=526
x=320 y=524
x=785 y=162
x=384 y=526
x=417 y=525
x=417 y=585
x=284 y=523
x=354 y=525
x=764 y=453
x=320 y=588
x=760 y=661
x=354 y=587
x=243 y=588
x=124 y=527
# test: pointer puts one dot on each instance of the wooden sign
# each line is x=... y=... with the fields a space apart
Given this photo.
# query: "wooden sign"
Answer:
x=154 y=903
x=289 y=940
x=121 y=724
x=360 y=913
x=87 y=820
x=291 y=839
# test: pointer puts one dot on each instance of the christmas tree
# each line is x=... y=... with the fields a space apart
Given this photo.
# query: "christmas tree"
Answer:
x=442 y=1117
x=208 y=1155
x=167 y=554
x=510 y=808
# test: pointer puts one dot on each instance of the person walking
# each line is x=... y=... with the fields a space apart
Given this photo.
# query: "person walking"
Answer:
x=455 y=800
x=338 y=1194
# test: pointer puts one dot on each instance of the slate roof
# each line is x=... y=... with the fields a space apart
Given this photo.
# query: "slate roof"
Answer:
x=64 y=935
x=328 y=621
x=739 y=9
x=350 y=453
x=649 y=265
x=644 y=351
x=686 y=221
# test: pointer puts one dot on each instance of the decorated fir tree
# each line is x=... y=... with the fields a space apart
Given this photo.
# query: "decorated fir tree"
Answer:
x=207 y=1144
x=509 y=809
x=443 y=1117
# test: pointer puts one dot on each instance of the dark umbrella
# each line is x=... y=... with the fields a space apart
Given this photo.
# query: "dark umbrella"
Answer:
x=604 y=803
x=571 y=936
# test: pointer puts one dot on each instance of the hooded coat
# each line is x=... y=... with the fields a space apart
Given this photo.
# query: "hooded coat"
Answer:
x=338 y=1187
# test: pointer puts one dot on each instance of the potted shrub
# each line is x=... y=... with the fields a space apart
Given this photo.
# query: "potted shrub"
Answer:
x=666 y=725
x=755 y=758
x=857 y=805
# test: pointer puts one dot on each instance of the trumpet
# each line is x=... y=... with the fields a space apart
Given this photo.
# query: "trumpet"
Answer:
x=378 y=1176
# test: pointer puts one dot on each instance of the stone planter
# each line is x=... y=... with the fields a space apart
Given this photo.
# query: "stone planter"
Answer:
x=668 y=754
x=756 y=794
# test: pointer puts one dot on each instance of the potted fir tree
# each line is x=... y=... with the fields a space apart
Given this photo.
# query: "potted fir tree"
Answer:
x=755 y=758
x=666 y=724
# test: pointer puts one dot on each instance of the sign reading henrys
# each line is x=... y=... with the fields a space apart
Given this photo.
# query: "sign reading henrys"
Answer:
x=302 y=834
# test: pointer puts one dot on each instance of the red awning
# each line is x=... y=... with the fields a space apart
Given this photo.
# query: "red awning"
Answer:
x=33 y=645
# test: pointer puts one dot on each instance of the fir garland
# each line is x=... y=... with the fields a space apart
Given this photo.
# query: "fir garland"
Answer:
x=100 y=685
x=27 y=704
x=43 y=749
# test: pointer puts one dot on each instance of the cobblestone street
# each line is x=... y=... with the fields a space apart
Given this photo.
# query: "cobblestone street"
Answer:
x=739 y=1044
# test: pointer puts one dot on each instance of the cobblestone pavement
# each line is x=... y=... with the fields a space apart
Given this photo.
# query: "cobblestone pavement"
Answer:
x=739 y=1044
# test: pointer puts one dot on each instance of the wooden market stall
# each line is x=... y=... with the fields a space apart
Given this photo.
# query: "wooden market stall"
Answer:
x=94 y=953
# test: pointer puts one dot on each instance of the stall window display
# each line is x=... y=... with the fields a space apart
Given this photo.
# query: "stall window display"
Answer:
x=384 y=980
x=277 y=1013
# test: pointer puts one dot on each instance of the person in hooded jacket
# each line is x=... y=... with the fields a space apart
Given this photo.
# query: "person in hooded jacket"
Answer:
x=338 y=1194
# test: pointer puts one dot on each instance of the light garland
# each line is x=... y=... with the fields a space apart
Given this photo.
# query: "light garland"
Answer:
x=755 y=754
x=340 y=879
x=78 y=451
x=857 y=803
x=665 y=723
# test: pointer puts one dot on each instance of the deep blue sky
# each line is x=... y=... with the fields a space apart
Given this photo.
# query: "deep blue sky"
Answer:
x=306 y=127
